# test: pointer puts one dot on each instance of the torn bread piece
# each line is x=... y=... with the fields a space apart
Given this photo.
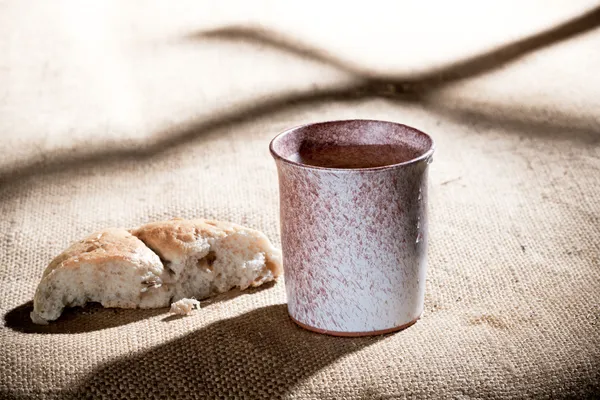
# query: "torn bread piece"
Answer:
x=185 y=306
x=155 y=265
x=203 y=257
x=111 y=267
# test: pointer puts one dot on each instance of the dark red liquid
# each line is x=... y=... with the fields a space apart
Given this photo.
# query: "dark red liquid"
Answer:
x=354 y=156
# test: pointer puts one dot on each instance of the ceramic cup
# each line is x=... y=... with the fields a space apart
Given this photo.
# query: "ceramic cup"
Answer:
x=354 y=238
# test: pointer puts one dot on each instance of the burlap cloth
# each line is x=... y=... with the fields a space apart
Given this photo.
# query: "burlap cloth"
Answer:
x=115 y=114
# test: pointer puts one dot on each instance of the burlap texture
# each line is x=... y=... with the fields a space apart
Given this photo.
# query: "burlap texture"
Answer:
x=116 y=114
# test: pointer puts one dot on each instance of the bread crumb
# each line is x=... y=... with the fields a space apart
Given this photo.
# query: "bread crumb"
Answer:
x=185 y=306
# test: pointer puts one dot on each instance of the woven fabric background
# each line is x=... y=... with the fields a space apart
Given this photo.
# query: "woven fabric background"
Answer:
x=116 y=114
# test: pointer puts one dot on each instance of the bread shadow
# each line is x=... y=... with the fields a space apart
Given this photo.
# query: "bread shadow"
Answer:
x=223 y=297
x=94 y=317
x=260 y=354
x=236 y=293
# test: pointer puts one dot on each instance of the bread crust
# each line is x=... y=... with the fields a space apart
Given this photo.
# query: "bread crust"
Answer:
x=111 y=244
x=176 y=237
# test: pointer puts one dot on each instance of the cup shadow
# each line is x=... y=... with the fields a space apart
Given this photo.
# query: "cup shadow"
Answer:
x=260 y=354
x=94 y=317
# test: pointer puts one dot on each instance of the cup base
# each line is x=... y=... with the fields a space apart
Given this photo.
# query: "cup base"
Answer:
x=355 y=334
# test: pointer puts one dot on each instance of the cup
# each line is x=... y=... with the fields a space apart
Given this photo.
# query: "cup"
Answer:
x=353 y=197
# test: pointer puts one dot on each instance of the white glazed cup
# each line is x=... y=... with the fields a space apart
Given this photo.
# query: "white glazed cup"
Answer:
x=354 y=240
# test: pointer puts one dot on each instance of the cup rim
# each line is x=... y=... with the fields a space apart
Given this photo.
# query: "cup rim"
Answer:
x=425 y=156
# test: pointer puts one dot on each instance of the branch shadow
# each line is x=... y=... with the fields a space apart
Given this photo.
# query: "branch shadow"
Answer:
x=421 y=88
x=260 y=354
x=94 y=317
x=277 y=40
x=418 y=89
x=521 y=119
x=429 y=80
x=171 y=138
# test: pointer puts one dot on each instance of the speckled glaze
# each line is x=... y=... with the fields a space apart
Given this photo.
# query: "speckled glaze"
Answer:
x=354 y=240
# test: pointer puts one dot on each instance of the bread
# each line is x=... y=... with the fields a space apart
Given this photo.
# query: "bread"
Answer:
x=155 y=265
